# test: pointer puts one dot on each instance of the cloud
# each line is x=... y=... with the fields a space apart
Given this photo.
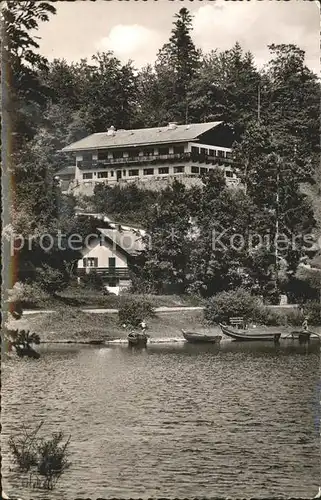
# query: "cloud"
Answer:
x=255 y=25
x=132 y=42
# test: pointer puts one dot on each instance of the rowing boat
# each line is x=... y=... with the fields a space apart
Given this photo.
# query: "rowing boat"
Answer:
x=249 y=334
x=303 y=335
x=200 y=337
x=137 y=339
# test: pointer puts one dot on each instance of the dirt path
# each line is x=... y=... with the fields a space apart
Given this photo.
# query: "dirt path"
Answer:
x=115 y=311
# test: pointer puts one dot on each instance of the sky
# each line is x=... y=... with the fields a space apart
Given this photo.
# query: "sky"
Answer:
x=137 y=29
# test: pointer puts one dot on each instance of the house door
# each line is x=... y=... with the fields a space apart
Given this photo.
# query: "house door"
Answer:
x=112 y=262
x=118 y=175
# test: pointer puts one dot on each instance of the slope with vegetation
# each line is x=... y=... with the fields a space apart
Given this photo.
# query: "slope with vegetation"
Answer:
x=50 y=104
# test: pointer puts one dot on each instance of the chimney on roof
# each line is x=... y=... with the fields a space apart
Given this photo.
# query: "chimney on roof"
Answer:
x=172 y=125
x=111 y=130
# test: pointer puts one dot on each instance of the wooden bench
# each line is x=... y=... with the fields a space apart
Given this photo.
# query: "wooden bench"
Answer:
x=237 y=322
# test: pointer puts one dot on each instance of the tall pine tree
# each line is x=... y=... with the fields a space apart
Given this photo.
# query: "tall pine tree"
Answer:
x=182 y=60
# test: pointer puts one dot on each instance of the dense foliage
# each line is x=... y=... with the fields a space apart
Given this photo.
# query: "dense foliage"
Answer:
x=133 y=311
x=241 y=303
x=127 y=203
x=235 y=303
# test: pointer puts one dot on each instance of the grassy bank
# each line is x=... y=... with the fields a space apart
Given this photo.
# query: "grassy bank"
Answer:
x=71 y=324
x=82 y=298
x=74 y=325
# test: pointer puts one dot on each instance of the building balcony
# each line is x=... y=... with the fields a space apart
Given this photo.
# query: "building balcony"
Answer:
x=106 y=272
x=210 y=160
x=153 y=160
x=135 y=160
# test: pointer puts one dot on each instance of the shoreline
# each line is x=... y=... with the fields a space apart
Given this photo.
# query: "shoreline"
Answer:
x=70 y=325
x=76 y=326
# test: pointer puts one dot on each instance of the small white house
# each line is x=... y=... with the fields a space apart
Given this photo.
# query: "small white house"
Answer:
x=110 y=254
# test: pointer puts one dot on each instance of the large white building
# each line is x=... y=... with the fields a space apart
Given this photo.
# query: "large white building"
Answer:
x=174 y=151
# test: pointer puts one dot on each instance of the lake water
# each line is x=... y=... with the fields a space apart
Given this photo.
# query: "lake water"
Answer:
x=174 y=420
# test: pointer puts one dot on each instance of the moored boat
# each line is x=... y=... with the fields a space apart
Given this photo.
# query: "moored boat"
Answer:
x=249 y=334
x=137 y=339
x=303 y=335
x=200 y=337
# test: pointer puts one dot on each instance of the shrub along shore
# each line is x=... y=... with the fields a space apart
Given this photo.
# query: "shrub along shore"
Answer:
x=69 y=324
x=68 y=320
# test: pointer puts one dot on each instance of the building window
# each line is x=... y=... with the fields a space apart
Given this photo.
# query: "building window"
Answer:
x=195 y=170
x=111 y=173
x=229 y=155
x=133 y=173
x=211 y=152
x=90 y=262
x=148 y=171
x=204 y=151
x=102 y=155
x=117 y=154
x=228 y=173
x=163 y=151
x=195 y=150
x=87 y=175
x=220 y=153
x=132 y=153
x=102 y=175
x=124 y=173
x=87 y=156
x=163 y=170
x=179 y=149
x=204 y=170
x=179 y=170
x=148 y=151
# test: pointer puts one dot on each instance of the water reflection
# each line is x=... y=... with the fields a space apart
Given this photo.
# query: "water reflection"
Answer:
x=254 y=348
x=174 y=419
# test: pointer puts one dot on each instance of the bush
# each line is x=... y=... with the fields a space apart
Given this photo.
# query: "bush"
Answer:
x=295 y=317
x=52 y=459
x=21 y=337
x=225 y=305
x=92 y=280
x=265 y=316
x=24 y=295
x=23 y=451
x=133 y=311
x=312 y=310
x=51 y=279
x=44 y=460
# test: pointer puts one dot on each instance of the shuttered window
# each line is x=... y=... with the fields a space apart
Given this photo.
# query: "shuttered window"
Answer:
x=90 y=262
x=163 y=170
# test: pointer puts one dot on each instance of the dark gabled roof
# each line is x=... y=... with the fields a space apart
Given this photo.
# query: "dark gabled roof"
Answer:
x=112 y=223
x=129 y=241
x=67 y=170
x=142 y=137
